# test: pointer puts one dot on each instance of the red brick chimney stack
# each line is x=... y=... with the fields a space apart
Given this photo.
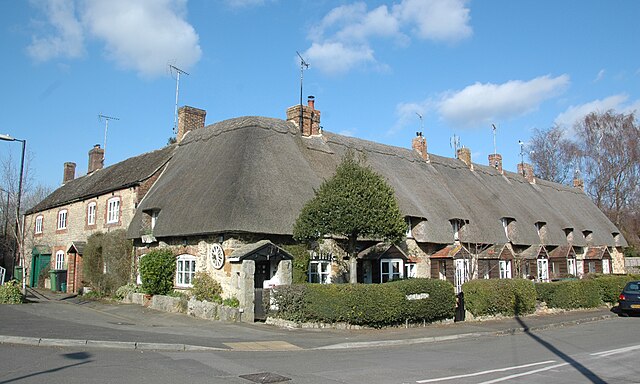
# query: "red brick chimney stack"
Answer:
x=189 y=119
x=419 y=144
x=526 y=170
x=69 y=172
x=96 y=159
x=495 y=161
x=464 y=154
x=310 y=118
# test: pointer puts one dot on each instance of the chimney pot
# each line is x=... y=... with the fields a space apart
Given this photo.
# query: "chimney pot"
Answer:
x=311 y=102
x=69 y=172
x=419 y=144
x=96 y=159
x=189 y=119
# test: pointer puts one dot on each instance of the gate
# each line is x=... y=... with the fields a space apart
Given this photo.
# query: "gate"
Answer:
x=261 y=297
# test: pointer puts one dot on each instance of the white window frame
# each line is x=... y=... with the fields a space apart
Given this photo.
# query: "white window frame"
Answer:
x=606 y=266
x=91 y=213
x=392 y=273
x=455 y=224
x=320 y=271
x=442 y=270
x=154 y=218
x=543 y=270
x=62 y=219
x=113 y=210
x=461 y=275
x=185 y=270
x=38 y=225
x=408 y=233
x=571 y=267
x=59 y=260
x=505 y=269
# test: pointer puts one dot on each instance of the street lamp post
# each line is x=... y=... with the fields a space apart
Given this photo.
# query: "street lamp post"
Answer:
x=21 y=229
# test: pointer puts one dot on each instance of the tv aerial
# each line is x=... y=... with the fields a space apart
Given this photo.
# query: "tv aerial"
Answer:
x=175 y=113
x=303 y=65
x=106 y=128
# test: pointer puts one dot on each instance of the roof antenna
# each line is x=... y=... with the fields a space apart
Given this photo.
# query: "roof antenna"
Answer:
x=495 y=148
x=421 y=122
x=521 y=156
x=455 y=144
x=303 y=65
x=106 y=128
x=175 y=113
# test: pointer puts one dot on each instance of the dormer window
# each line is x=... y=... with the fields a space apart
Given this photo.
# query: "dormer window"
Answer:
x=588 y=235
x=616 y=237
x=408 y=221
x=154 y=218
x=541 y=229
x=569 y=233
x=507 y=225
x=456 y=225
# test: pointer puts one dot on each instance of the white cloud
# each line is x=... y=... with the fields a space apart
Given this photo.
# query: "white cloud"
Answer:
x=599 y=76
x=577 y=112
x=352 y=27
x=141 y=35
x=435 y=19
x=335 y=58
x=244 y=3
x=67 y=40
x=480 y=104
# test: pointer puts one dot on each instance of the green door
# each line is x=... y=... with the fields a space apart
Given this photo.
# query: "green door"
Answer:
x=38 y=263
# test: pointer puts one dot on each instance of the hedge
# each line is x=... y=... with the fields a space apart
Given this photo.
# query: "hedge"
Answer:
x=570 y=294
x=499 y=297
x=374 y=305
x=10 y=293
x=157 y=270
x=610 y=286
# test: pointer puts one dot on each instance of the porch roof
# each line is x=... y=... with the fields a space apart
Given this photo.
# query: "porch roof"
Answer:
x=261 y=250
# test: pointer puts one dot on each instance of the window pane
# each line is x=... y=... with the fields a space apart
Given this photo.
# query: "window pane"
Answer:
x=385 y=267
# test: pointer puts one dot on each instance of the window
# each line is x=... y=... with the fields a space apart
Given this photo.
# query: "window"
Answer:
x=543 y=270
x=456 y=225
x=442 y=271
x=408 y=220
x=588 y=236
x=154 y=218
x=410 y=270
x=605 y=266
x=507 y=225
x=390 y=269
x=91 y=213
x=462 y=273
x=62 y=219
x=592 y=267
x=505 y=269
x=571 y=267
x=113 y=210
x=320 y=272
x=38 y=227
x=60 y=260
x=541 y=229
x=569 y=233
x=185 y=269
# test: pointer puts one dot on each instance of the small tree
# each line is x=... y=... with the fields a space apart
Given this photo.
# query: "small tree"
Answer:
x=355 y=202
x=157 y=270
x=107 y=260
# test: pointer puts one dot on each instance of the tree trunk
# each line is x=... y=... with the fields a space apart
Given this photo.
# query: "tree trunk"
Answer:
x=353 y=269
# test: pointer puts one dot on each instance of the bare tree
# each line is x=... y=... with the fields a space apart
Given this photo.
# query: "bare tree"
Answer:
x=610 y=149
x=553 y=155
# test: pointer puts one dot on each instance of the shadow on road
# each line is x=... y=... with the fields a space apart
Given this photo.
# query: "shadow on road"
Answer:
x=591 y=376
x=83 y=356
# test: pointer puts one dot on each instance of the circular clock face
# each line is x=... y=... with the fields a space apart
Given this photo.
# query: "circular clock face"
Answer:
x=216 y=255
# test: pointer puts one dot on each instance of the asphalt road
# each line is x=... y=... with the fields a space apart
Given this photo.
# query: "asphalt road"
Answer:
x=605 y=351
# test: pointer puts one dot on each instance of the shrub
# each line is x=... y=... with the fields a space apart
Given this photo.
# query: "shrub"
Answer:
x=572 y=294
x=205 y=288
x=610 y=286
x=107 y=261
x=10 y=293
x=499 y=297
x=374 y=305
x=124 y=290
x=44 y=273
x=231 y=302
x=300 y=263
x=157 y=270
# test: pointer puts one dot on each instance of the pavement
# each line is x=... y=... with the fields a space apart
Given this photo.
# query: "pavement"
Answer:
x=60 y=320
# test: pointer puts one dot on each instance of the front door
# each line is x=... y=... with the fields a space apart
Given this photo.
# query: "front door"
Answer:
x=38 y=263
x=262 y=274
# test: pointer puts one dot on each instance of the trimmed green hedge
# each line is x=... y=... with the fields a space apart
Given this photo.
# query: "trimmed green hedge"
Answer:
x=570 y=294
x=611 y=285
x=374 y=305
x=507 y=297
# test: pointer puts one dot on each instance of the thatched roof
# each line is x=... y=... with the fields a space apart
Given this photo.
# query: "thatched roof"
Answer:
x=124 y=174
x=254 y=174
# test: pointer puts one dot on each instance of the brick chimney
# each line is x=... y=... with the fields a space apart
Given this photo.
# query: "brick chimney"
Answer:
x=495 y=161
x=310 y=118
x=526 y=170
x=419 y=144
x=464 y=154
x=96 y=159
x=189 y=119
x=69 y=172
x=578 y=182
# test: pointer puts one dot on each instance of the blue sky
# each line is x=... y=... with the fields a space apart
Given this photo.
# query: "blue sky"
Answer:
x=374 y=66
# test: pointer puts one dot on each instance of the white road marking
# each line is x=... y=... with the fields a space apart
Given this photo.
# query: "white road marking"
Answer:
x=524 y=374
x=615 y=351
x=485 y=372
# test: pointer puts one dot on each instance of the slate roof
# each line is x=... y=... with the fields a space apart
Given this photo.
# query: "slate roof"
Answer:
x=121 y=175
x=254 y=174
